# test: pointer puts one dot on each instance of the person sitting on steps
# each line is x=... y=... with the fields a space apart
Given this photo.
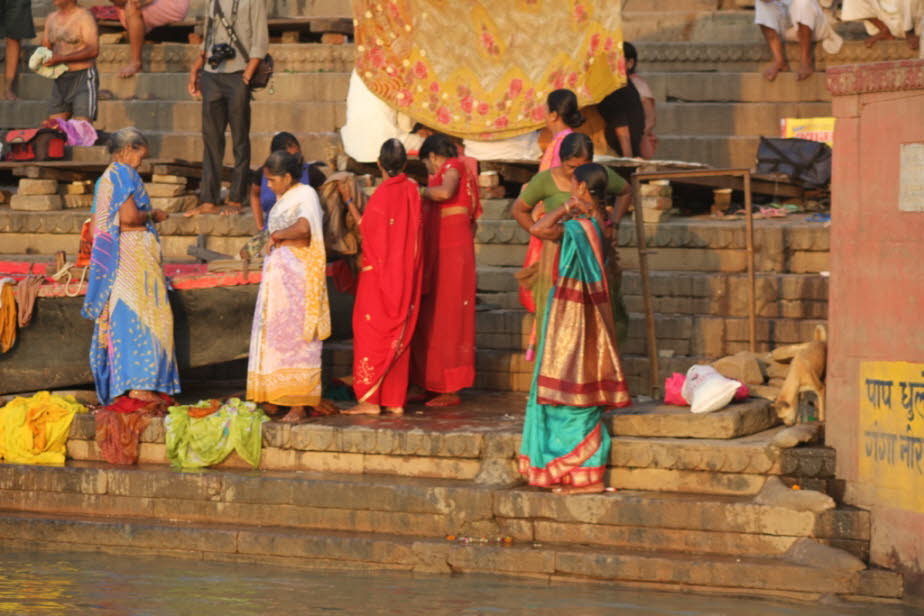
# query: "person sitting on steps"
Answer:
x=141 y=16
x=800 y=21
x=886 y=21
x=72 y=36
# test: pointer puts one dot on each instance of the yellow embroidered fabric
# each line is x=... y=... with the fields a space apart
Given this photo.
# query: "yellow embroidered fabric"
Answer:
x=482 y=70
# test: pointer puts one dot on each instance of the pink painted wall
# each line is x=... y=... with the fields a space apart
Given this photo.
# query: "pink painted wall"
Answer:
x=876 y=297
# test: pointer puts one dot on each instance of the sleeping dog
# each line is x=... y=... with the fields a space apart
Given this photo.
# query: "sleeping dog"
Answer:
x=806 y=373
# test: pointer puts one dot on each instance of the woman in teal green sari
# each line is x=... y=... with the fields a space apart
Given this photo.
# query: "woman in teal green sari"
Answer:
x=578 y=374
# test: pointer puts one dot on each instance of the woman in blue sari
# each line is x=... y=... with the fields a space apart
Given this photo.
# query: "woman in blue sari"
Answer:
x=132 y=350
x=578 y=374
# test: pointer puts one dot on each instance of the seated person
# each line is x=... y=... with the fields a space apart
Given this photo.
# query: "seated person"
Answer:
x=886 y=21
x=624 y=115
x=800 y=21
x=141 y=16
x=72 y=36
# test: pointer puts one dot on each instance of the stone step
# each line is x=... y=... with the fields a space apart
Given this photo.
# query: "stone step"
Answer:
x=275 y=8
x=725 y=151
x=188 y=145
x=639 y=520
x=287 y=86
x=735 y=87
x=325 y=550
x=740 y=119
x=168 y=117
x=699 y=25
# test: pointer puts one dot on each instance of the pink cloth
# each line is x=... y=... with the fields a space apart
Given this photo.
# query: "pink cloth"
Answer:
x=160 y=13
x=79 y=132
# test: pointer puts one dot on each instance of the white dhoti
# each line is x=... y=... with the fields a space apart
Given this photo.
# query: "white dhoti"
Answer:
x=785 y=17
x=899 y=16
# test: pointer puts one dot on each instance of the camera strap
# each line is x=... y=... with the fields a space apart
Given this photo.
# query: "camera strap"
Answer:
x=229 y=27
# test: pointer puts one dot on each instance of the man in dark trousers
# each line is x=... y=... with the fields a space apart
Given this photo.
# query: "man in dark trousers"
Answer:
x=224 y=85
x=624 y=115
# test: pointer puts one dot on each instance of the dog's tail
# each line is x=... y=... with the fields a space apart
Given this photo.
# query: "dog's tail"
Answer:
x=821 y=334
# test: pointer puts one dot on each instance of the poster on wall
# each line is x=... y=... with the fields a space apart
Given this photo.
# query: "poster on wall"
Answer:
x=892 y=432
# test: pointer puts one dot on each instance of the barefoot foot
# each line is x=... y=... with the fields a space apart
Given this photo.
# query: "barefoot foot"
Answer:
x=296 y=414
x=445 y=400
x=594 y=488
x=202 y=208
x=775 y=69
x=324 y=408
x=805 y=71
x=363 y=408
x=130 y=70
x=232 y=209
x=9 y=95
x=882 y=35
x=416 y=394
x=271 y=409
x=394 y=410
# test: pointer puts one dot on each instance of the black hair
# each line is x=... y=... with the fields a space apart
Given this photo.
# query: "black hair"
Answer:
x=316 y=177
x=565 y=104
x=438 y=144
x=281 y=163
x=596 y=178
x=284 y=141
x=393 y=157
x=576 y=145
x=629 y=52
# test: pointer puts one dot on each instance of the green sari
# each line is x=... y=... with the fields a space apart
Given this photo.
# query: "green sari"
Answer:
x=578 y=373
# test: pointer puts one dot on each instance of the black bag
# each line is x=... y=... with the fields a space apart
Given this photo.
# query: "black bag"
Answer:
x=264 y=72
x=805 y=162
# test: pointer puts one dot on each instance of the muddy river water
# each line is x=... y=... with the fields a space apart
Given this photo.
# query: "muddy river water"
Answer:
x=46 y=583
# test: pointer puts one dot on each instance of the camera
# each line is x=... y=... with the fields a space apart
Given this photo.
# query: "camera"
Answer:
x=220 y=53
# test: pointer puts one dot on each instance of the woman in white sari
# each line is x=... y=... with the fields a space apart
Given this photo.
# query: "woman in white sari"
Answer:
x=292 y=315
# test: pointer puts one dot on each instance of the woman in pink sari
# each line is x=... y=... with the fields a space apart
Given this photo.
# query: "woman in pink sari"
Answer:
x=564 y=116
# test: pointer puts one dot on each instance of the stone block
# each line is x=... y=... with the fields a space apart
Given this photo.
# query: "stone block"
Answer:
x=168 y=179
x=655 y=420
x=5 y=197
x=805 y=262
x=78 y=202
x=174 y=204
x=693 y=482
x=78 y=188
x=743 y=366
x=657 y=203
x=777 y=494
x=164 y=190
x=654 y=215
x=37 y=187
x=36 y=203
x=333 y=38
x=500 y=255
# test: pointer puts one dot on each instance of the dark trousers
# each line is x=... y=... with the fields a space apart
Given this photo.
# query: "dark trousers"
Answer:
x=225 y=99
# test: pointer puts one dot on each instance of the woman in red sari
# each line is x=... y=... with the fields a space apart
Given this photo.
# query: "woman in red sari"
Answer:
x=443 y=351
x=388 y=297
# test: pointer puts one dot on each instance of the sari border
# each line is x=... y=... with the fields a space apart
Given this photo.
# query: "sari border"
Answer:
x=567 y=469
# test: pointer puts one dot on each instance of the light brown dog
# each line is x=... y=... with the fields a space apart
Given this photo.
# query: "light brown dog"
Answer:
x=806 y=373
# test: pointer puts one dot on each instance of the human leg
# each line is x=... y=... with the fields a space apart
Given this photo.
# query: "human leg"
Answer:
x=16 y=25
x=239 y=110
x=806 y=59
x=770 y=17
x=214 y=121
x=12 y=61
x=775 y=43
x=134 y=25
x=84 y=95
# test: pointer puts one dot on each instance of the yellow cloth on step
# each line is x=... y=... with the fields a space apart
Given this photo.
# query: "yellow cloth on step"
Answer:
x=7 y=317
x=34 y=430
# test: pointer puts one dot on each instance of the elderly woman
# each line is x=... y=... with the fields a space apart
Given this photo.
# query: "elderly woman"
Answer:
x=132 y=349
x=443 y=350
x=292 y=316
x=552 y=188
x=565 y=444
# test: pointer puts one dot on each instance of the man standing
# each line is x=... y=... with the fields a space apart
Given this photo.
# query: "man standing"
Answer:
x=224 y=85
x=141 y=16
x=71 y=35
x=624 y=114
x=15 y=25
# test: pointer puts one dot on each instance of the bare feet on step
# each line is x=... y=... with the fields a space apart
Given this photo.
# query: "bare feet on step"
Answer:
x=394 y=410
x=445 y=400
x=202 y=208
x=130 y=70
x=805 y=71
x=363 y=408
x=9 y=95
x=594 y=488
x=775 y=69
x=296 y=414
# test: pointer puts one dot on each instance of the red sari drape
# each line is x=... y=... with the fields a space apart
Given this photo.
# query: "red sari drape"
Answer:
x=388 y=298
x=443 y=350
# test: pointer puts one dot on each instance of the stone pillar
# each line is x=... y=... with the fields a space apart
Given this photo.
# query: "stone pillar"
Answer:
x=876 y=305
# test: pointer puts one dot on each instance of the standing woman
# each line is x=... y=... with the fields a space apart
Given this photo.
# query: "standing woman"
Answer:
x=578 y=373
x=292 y=315
x=132 y=349
x=552 y=189
x=443 y=350
x=564 y=116
x=388 y=297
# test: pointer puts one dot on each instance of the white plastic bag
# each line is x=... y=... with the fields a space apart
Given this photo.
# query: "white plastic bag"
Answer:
x=706 y=390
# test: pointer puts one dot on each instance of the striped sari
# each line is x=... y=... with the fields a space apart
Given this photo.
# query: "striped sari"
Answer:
x=578 y=373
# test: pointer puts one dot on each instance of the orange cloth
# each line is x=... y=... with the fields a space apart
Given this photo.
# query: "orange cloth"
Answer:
x=7 y=317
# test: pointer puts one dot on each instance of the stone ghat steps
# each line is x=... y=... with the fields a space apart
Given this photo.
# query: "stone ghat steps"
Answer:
x=275 y=8
x=331 y=550
x=668 y=449
x=645 y=23
x=690 y=293
x=633 y=520
x=164 y=117
x=315 y=87
x=726 y=86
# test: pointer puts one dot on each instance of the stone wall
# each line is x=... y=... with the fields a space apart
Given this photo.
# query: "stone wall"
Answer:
x=877 y=299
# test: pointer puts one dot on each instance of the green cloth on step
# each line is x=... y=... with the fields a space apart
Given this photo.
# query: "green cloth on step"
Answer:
x=204 y=441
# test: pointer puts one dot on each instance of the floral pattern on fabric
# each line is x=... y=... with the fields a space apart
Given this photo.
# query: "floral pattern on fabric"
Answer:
x=476 y=71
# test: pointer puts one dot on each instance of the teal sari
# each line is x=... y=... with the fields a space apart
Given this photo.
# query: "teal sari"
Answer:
x=578 y=373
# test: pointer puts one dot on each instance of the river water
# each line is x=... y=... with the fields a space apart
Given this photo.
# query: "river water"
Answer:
x=44 y=583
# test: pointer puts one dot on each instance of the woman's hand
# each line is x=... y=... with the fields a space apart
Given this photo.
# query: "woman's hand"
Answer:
x=271 y=242
x=345 y=190
x=159 y=216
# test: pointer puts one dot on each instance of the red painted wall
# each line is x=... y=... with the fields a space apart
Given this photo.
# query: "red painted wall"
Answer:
x=876 y=297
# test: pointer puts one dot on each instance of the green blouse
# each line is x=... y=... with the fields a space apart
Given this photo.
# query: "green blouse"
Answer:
x=543 y=188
